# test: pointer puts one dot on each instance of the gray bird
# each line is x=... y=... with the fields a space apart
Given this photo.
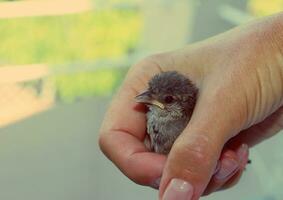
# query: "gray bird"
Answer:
x=170 y=99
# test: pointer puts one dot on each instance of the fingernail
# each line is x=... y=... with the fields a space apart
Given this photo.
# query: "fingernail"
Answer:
x=178 y=190
x=155 y=184
x=217 y=168
x=228 y=166
x=243 y=153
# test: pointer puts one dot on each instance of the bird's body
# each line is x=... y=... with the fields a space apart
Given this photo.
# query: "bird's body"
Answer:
x=171 y=99
x=163 y=131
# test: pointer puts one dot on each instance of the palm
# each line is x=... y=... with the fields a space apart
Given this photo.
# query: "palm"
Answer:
x=124 y=127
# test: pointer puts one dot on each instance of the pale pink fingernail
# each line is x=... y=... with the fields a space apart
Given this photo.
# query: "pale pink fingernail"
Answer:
x=228 y=167
x=155 y=184
x=178 y=190
x=217 y=168
x=243 y=153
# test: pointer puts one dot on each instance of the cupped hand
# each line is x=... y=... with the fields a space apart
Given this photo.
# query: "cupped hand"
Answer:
x=240 y=79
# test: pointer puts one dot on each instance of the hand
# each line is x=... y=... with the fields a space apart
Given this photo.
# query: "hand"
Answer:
x=239 y=75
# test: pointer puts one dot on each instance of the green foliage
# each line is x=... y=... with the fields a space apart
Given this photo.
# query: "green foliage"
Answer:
x=78 y=38
x=263 y=7
x=60 y=39
x=75 y=86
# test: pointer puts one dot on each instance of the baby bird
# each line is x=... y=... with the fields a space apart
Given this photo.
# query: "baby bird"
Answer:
x=170 y=99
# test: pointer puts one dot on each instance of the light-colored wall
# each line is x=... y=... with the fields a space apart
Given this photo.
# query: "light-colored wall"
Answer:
x=167 y=24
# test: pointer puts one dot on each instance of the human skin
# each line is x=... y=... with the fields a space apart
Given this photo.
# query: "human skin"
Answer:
x=240 y=78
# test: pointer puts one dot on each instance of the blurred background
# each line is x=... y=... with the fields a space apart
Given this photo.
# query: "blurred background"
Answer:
x=60 y=63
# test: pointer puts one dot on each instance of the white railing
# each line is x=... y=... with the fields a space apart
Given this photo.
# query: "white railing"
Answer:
x=31 y=8
x=23 y=73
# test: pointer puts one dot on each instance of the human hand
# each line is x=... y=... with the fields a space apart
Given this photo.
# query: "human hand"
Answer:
x=239 y=76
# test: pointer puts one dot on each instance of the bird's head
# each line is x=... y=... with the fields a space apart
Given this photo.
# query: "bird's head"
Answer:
x=170 y=92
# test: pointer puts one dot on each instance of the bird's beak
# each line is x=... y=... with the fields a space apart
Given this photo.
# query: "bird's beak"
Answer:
x=146 y=98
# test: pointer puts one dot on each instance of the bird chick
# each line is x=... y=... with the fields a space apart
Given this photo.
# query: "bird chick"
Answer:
x=170 y=99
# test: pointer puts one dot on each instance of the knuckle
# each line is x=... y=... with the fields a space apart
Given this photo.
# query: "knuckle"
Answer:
x=195 y=152
x=147 y=61
x=144 y=69
x=152 y=61
x=137 y=176
x=196 y=157
x=199 y=148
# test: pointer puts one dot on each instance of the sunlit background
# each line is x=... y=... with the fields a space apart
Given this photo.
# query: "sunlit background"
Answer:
x=60 y=62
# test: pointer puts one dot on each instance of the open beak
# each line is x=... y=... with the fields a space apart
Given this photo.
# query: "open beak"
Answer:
x=146 y=98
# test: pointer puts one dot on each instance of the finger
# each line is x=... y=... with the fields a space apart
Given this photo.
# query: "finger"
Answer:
x=229 y=166
x=124 y=114
x=195 y=153
x=232 y=181
x=232 y=163
x=243 y=163
x=132 y=158
x=124 y=128
x=261 y=131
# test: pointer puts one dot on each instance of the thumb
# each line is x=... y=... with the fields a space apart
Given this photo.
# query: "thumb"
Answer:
x=194 y=155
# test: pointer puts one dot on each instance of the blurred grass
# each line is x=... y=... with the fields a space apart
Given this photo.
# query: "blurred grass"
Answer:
x=60 y=39
x=78 y=38
x=81 y=85
x=264 y=7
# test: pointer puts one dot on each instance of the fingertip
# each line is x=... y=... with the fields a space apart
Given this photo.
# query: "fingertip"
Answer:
x=178 y=189
x=243 y=155
x=155 y=183
x=227 y=175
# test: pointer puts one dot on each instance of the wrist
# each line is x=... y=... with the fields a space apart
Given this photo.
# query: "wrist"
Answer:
x=275 y=32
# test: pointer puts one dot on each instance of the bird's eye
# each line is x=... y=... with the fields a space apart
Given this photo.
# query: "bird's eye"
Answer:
x=169 y=99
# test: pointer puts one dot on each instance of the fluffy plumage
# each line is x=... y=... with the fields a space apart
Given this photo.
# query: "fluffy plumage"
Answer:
x=171 y=98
